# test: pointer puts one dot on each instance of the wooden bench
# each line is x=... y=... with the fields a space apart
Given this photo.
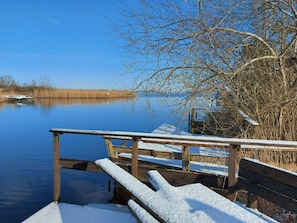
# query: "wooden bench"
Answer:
x=156 y=206
x=163 y=202
x=276 y=185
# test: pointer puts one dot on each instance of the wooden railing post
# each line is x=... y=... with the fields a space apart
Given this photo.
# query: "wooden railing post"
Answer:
x=109 y=146
x=232 y=171
x=134 y=170
x=186 y=158
x=57 y=180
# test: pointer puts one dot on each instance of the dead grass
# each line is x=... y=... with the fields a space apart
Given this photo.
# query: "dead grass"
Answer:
x=73 y=93
x=284 y=158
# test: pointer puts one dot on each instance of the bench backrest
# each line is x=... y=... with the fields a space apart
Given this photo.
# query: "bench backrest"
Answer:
x=271 y=183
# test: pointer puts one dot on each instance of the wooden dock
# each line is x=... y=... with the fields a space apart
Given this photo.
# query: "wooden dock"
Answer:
x=162 y=192
x=175 y=175
x=204 y=122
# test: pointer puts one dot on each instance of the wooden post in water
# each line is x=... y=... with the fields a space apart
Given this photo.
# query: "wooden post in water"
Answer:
x=186 y=158
x=134 y=170
x=231 y=171
x=57 y=179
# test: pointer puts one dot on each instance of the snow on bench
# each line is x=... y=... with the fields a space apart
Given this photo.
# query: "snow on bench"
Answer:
x=140 y=213
x=190 y=203
x=158 y=206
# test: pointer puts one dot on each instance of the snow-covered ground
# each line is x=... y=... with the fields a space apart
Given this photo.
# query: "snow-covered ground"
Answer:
x=71 y=213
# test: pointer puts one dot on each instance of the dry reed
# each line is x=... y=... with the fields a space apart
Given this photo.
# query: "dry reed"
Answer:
x=73 y=93
x=281 y=157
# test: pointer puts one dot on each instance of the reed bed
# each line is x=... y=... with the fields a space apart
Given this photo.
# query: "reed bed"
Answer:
x=73 y=93
x=2 y=99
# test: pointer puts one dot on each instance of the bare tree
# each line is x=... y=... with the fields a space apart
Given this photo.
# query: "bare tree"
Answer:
x=243 y=49
x=44 y=82
x=7 y=81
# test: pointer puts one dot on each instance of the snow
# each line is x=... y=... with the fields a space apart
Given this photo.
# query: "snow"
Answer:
x=190 y=203
x=201 y=199
x=189 y=138
x=168 y=212
x=247 y=118
x=210 y=168
x=166 y=128
x=71 y=213
x=141 y=213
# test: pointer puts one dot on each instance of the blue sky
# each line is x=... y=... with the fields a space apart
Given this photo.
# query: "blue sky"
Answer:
x=67 y=41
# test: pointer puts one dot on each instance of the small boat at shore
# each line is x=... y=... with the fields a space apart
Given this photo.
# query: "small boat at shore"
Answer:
x=17 y=97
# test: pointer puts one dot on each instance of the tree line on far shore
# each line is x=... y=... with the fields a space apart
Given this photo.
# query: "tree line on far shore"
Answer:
x=8 y=83
x=43 y=89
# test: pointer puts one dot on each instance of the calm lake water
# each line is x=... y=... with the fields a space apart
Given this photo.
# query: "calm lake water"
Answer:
x=26 y=164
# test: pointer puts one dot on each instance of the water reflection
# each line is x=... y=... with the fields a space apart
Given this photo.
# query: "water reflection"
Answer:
x=51 y=102
x=26 y=165
x=2 y=106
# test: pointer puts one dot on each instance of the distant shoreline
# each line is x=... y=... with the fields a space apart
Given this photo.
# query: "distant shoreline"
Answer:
x=40 y=92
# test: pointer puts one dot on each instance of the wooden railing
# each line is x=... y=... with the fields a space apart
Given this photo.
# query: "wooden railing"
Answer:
x=233 y=144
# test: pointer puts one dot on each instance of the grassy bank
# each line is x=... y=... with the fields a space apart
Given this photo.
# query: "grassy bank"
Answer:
x=73 y=93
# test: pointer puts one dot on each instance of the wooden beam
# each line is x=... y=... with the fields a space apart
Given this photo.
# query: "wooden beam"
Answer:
x=232 y=171
x=57 y=177
x=183 y=142
x=134 y=170
x=80 y=165
x=186 y=158
x=173 y=175
x=110 y=148
x=181 y=139
x=171 y=155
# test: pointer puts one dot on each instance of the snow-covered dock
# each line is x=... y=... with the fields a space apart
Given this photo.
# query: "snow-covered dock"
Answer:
x=71 y=213
x=166 y=203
